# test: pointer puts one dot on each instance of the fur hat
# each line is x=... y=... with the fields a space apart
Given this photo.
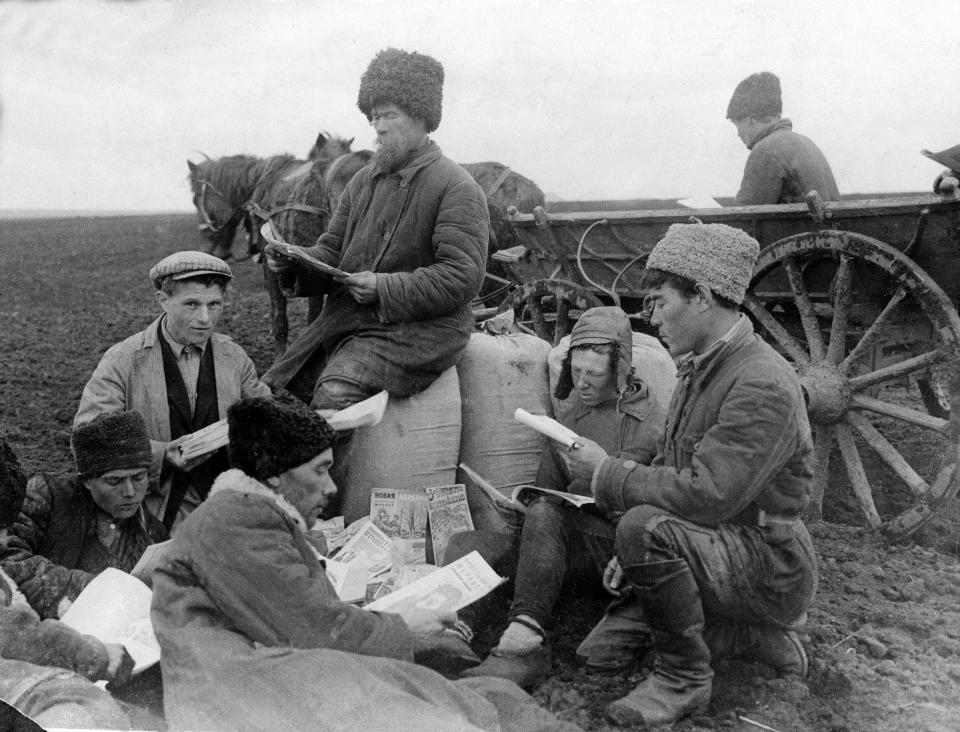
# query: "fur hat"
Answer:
x=110 y=442
x=756 y=96
x=598 y=326
x=716 y=255
x=13 y=485
x=412 y=81
x=270 y=435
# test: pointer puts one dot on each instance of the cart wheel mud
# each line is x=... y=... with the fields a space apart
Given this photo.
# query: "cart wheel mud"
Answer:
x=876 y=343
x=548 y=308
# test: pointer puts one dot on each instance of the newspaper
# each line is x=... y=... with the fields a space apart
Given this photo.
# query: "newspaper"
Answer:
x=366 y=413
x=115 y=607
x=449 y=515
x=403 y=513
x=370 y=545
x=349 y=579
x=333 y=531
x=522 y=495
x=449 y=588
x=547 y=426
x=297 y=253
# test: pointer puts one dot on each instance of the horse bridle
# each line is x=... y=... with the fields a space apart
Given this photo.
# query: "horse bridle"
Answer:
x=208 y=227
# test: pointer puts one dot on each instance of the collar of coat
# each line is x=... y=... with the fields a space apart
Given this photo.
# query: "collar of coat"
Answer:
x=239 y=482
x=780 y=124
x=420 y=158
x=741 y=330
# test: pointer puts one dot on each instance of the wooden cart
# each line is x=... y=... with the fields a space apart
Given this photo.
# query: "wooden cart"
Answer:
x=859 y=295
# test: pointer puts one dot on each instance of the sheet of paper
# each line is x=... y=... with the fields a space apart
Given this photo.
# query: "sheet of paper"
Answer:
x=369 y=544
x=449 y=588
x=297 y=253
x=547 y=426
x=699 y=202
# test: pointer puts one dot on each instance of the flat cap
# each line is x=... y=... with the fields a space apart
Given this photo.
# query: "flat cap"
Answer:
x=182 y=265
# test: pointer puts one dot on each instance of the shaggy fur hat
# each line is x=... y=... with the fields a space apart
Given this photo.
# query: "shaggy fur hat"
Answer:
x=756 y=96
x=716 y=255
x=110 y=442
x=412 y=81
x=270 y=435
x=598 y=326
x=13 y=485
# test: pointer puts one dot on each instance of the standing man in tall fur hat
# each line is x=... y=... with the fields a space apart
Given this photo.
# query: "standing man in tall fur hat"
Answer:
x=783 y=166
x=412 y=230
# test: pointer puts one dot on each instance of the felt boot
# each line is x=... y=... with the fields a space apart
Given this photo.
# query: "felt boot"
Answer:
x=681 y=680
x=620 y=640
x=525 y=664
x=777 y=648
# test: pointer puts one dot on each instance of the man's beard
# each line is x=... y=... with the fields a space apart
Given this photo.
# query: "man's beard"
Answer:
x=390 y=156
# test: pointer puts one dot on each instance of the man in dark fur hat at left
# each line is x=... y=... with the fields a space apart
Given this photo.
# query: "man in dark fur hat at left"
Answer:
x=412 y=230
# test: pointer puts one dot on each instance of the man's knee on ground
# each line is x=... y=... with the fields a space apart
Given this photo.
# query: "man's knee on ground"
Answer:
x=333 y=393
x=542 y=515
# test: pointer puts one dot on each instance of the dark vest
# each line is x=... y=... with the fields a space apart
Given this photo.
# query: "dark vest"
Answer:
x=183 y=422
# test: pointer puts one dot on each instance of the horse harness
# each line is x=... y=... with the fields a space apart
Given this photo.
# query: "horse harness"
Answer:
x=498 y=182
x=208 y=226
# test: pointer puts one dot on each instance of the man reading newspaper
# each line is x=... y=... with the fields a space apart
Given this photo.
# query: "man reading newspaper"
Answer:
x=603 y=400
x=252 y=634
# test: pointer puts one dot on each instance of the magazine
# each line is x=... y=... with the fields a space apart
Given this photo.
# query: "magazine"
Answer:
x=333 y=531
x=349 y=579
x=449 y=515
x=368 y=544
x=362 y=414
x=449 y=588
x=547 y=426
x=522 y=495
x=402 y=513
x=115 y=607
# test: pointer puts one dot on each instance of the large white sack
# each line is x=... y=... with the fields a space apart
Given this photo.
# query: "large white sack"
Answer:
x=651 y=361
x=415 y=446
x=499 y=373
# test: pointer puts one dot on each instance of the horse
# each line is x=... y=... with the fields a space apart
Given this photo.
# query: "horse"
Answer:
x=249 y=190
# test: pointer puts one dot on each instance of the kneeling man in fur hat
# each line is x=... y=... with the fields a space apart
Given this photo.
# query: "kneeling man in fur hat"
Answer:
x=783 y=166
x=412 y=230
x=710 y=545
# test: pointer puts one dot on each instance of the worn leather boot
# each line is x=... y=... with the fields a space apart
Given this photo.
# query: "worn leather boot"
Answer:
x=620 y=640
x=766 y=644
x=681 y=681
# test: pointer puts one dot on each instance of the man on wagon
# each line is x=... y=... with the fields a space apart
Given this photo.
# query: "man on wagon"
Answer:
x=180 y=375
x=412 y=229
x=710 y=541
x=783 y=166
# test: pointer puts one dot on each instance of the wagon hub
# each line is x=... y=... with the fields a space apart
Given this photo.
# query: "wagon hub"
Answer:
x=827 y=392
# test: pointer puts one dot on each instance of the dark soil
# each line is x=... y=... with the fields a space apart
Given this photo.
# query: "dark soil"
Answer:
x=884 y=631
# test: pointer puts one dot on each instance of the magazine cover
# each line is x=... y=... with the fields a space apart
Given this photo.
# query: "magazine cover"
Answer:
x=449 y=515
x=402 y=513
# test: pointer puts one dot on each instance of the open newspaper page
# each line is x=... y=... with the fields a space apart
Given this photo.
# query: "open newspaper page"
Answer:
x=402 y=513
x=449 y=515
x=449 y=588
x=370 y=545
x=526 y=494
x=115 y=607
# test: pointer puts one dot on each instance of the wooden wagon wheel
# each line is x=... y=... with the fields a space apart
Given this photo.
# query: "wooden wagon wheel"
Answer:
x=859 y=345
x=548 y=308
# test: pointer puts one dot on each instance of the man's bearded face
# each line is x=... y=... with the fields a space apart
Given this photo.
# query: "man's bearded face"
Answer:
x=398 y=134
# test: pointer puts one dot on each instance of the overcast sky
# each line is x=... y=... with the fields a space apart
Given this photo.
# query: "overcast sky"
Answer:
x=103 y=102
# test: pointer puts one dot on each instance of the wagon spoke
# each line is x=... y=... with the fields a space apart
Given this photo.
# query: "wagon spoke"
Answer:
x=898 y=411
x=841 y=310
x=807 y=315
x=821 y=471
x=873 y=332
x=562 y=326
x=897 y=370
x=775 y=329
x=888 y=453
x=858 y=476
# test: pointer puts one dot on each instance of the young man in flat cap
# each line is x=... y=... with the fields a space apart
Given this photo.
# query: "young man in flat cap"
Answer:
x=783 y=166
x=180 y=375
x=412 y=230
x=710 y=541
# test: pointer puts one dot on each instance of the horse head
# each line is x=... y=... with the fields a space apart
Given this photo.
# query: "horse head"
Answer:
x=328 y=148
x=220 y=188
x=338 y=172
x=504 y=188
